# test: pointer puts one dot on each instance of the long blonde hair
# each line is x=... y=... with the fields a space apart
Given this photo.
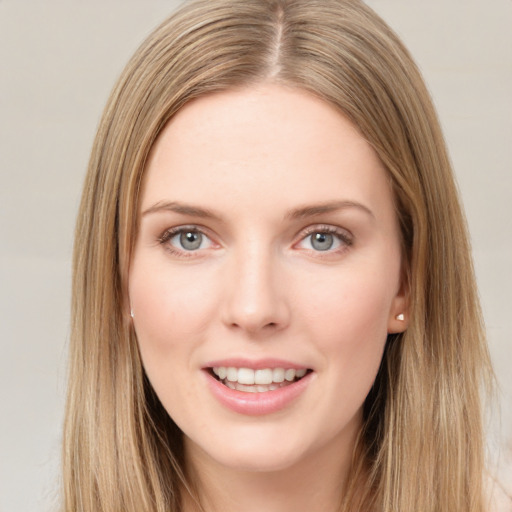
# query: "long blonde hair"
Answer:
x=421 y=446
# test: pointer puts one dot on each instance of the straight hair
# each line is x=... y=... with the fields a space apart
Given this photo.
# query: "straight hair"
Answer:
x=421 y=445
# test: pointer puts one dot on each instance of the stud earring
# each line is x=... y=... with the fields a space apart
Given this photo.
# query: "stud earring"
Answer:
x=400 y=317
x=131 y=313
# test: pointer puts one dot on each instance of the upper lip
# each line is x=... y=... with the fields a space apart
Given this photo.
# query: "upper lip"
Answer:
x=255 y=364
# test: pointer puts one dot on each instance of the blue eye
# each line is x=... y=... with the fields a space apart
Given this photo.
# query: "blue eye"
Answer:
x=325 y=239
x=185 y=239
x=189 y=240
x=322 y=241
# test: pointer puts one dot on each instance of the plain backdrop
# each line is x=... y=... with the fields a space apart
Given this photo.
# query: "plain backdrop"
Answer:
x=59 y=60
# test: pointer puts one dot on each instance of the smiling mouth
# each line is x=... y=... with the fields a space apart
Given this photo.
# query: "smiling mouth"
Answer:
x=257 y=381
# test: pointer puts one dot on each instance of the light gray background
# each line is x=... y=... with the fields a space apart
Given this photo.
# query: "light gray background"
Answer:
x=59 y=60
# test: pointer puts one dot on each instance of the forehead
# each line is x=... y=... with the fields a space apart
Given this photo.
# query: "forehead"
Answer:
x=258 y=144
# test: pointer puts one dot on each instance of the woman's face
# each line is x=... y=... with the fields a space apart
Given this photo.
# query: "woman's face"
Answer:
x=265 y=276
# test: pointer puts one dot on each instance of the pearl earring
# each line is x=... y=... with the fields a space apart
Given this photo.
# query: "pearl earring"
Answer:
x=131 y=313
x=400 y=317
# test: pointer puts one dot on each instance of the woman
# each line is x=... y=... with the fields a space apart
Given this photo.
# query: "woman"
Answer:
x=274 y=303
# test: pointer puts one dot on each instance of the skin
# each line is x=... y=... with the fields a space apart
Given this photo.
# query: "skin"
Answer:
x=258 y=288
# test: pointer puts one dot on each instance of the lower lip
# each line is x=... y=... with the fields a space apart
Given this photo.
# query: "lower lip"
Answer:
x=257 y=404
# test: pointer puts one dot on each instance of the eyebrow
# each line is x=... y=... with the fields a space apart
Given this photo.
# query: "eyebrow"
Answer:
x=184 y=209
x=329 y=207
x=295 y=214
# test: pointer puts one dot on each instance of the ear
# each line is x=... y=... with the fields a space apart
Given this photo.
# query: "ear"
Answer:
x=398 y=319
x=128 y=316
x=127 y=309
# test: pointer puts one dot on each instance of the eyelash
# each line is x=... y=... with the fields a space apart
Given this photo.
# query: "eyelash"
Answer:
x=172 y=232
x=345 y=239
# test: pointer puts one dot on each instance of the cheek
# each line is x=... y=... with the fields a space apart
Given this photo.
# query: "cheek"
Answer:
x=347 y=316
x=172 y=310
x=169 y=306
x=348 y=306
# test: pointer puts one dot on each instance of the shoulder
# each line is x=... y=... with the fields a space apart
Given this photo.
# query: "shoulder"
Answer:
x=500 y=490
x=501 y=500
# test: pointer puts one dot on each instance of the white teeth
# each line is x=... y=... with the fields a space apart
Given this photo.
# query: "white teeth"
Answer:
x=289 y=375
x=255 y=389
x=247 y=389
x=278 y=375
x=262 y=377
x=245 y=376
x=232 y=374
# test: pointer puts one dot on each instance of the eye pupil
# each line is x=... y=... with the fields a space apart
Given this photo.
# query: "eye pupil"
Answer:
x=322 y=241
x=191 y=240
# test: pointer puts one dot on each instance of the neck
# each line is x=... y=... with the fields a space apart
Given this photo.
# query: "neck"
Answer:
x=315 y=484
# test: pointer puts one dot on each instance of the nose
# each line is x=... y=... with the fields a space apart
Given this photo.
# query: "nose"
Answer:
x=255 y=299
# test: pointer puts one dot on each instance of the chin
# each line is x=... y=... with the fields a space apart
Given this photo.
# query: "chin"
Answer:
x=263 y=449
x=266 y=460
